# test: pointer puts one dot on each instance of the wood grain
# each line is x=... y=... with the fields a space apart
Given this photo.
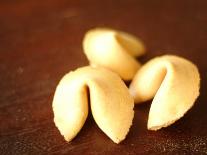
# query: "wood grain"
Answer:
x=40 y=41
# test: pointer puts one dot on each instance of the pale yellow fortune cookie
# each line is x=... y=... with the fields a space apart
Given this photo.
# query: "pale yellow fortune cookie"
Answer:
x=115 y=50
x=174 y=83
x=110 y=101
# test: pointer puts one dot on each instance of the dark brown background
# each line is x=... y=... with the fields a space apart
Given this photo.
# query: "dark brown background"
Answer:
x=40 y=41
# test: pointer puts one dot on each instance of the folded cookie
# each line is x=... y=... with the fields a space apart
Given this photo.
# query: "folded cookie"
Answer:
x=173 y=83
x=115 y=50
x=110 y=102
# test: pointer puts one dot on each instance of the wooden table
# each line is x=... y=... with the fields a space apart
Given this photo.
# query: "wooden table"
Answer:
x=40 y=41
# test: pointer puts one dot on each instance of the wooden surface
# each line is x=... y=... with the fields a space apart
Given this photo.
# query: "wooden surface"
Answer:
x=40 y=41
